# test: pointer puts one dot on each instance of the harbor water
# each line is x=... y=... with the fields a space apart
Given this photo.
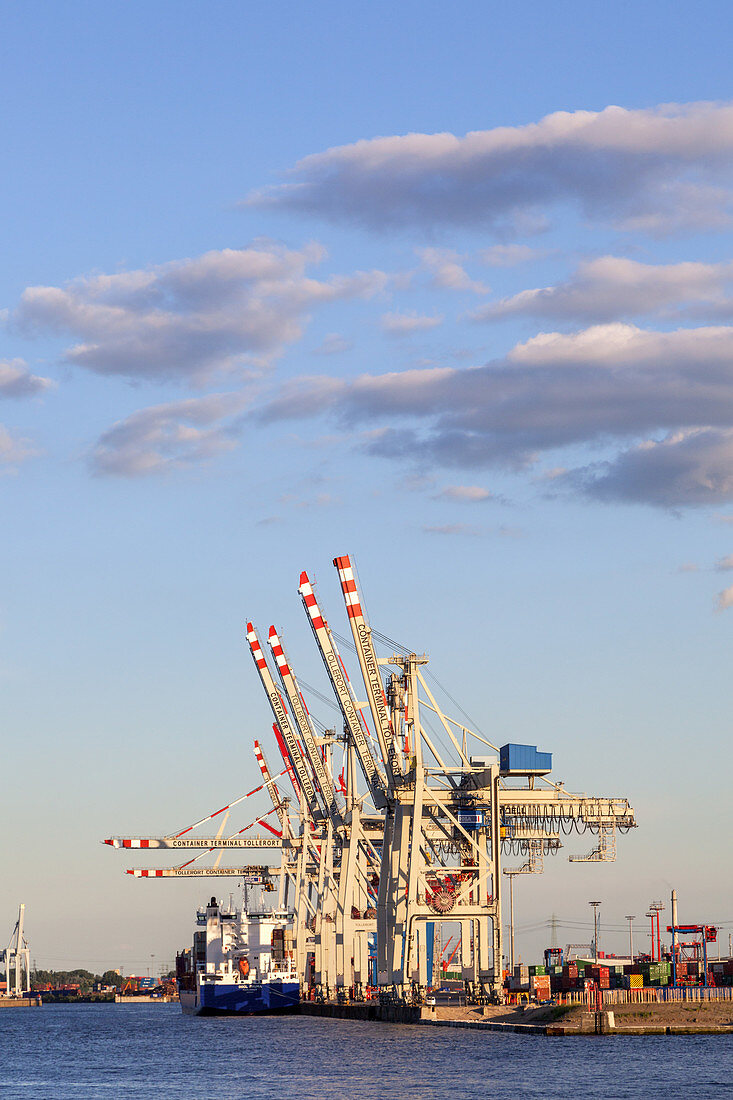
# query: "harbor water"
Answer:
x=134 y=1052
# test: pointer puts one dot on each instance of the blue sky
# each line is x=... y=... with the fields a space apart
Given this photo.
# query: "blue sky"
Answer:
x=250 y=324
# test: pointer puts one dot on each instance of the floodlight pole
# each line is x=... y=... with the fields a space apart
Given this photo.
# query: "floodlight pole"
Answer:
x=631 y=920
x=595 y=905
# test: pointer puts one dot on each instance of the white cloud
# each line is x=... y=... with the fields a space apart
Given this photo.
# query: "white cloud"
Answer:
x=447 y=272
x=689 y=467
x=320 y=500
x=403 y=324
x=552 y=473
x=724 y=599
x=509 y=255
x=655 y=170
x=615 y=345
x=613 y=287
x=464 y=493
x=724 y=564
x=13 y=449
x=17 y=381
x=167 y=437
x=332 y=344
x=451 y=529
x=190 y=319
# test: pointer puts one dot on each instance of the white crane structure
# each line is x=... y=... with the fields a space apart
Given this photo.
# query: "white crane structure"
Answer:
x=412 y=835
x=16 y=958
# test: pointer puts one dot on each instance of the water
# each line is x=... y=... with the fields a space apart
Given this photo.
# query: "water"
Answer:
x=136 y=1052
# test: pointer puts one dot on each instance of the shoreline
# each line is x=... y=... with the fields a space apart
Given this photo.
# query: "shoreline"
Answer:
x=664 y=1019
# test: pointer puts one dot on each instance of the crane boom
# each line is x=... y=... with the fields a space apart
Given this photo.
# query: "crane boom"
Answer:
x=211 y=842
x=274 y=793
x=262 y=873
x=342 y=689
x=283 y=721
x=370 y=670
x=324 y=782
x=283 y=750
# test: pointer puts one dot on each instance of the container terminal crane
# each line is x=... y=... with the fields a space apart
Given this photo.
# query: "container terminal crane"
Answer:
x=410 y=834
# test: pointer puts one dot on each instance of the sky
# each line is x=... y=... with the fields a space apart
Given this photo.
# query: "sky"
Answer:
x=448 y=288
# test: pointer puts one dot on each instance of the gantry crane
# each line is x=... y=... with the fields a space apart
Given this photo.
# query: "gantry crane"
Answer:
x=17 y=960
x=422 y=844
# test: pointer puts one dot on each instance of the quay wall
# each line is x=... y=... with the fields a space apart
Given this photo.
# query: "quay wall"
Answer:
x=579 y=1022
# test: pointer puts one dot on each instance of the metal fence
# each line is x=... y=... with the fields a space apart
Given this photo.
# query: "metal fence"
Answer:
x=653 y=995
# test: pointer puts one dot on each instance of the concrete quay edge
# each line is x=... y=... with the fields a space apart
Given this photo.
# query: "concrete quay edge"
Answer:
x=408 y=1014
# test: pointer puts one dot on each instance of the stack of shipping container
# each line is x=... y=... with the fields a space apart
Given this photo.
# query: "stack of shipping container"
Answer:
x=545 y=981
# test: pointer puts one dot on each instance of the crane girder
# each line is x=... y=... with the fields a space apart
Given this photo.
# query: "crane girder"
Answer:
x=176 y=843
x=264 y=873
x=562 y=805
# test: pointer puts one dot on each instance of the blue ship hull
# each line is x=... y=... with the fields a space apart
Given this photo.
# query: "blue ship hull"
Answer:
x=217 y=998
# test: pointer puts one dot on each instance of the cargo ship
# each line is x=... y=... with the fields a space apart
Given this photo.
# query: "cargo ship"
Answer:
x=241 y=963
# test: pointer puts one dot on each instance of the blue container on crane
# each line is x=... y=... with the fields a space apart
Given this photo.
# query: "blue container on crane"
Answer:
x=524 y=760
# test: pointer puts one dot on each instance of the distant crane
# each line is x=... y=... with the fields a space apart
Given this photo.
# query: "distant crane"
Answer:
x=16 y=957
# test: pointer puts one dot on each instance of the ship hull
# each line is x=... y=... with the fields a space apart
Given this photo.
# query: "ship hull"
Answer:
x=223 y=999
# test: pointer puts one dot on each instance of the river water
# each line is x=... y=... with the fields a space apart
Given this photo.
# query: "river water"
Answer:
x=136 y=1052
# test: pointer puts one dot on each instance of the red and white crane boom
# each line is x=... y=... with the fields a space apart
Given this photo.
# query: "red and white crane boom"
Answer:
x=369 y=664
x=272 y=790
x=324 y=781
x=283 y=720
x=261 y=873
x=342 y=689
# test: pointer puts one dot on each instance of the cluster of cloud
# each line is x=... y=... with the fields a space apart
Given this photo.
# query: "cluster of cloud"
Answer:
x=601 y=386
x=610 y=288
x=167 y=437
x=656 y=170
x=660 y=402
x=190 y=320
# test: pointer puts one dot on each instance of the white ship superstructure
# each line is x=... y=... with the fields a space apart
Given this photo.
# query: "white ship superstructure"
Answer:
x=241 y=962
